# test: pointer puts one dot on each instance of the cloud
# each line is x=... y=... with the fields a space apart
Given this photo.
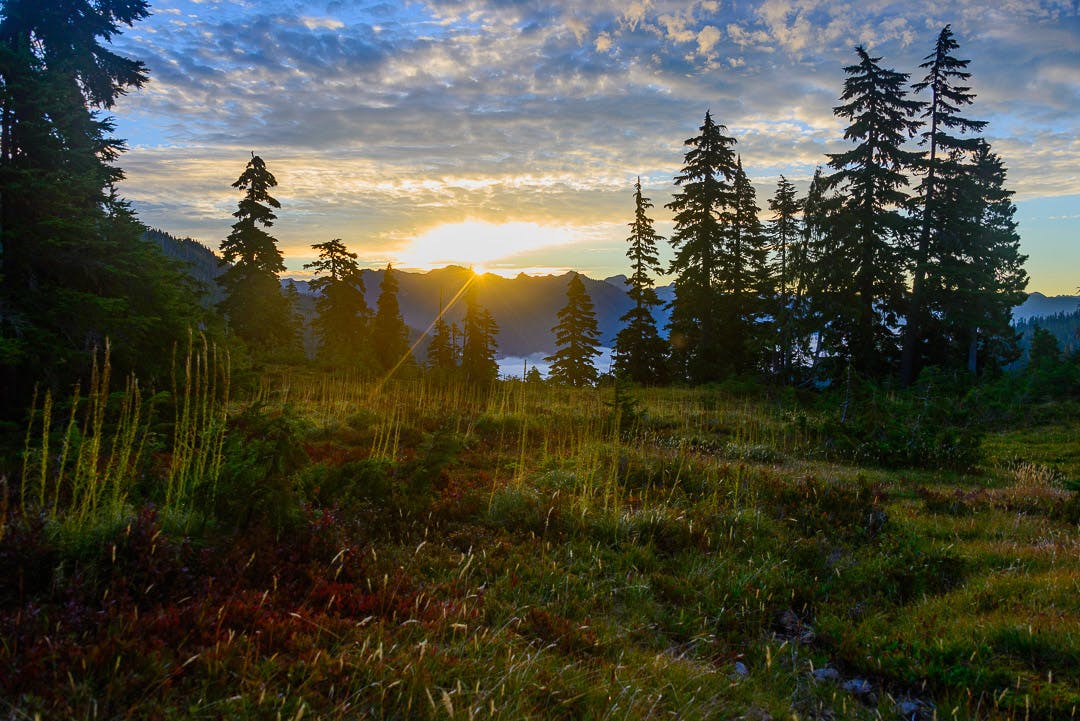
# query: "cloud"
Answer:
x=386 y=118
x=707 y=39
x=312 y=23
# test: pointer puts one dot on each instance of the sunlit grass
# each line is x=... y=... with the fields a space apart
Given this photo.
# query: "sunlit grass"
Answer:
x=527 y=551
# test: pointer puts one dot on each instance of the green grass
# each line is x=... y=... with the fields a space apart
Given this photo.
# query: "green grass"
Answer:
x=432 y=552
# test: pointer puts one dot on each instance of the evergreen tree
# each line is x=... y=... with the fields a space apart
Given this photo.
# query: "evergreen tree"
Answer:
x=785 y=232
x=705 y=193
x=744 y=278
x=389 y=334
x=943 y=168
x=74 y=269
x=256 y=308
x=478 y=365
x=820 y=279
x=872 y=230
x=343 y=315
x=981 y=277
x=576 y=338
x=640 y=353
x=441 y=355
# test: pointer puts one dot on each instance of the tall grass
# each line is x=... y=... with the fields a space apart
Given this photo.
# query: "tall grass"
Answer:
x=201 y=397
x=97 y=463
x=87 y=472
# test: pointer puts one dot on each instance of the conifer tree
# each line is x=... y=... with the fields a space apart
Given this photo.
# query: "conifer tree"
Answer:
x=744 y=278
x=478 y=365
x=256 y=308
x=705 y=193
x=576 y=338
x=981 y=275
x=785 y=232
x=441 y=356
x=343 y=314
x=943 y=166
x=872 y=230
x=74 y=269
x=822 y=278
x=389 y=334
x=640 y=353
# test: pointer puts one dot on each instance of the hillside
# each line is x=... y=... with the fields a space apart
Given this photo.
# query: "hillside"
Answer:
x=198 y=260
x=1038 y=305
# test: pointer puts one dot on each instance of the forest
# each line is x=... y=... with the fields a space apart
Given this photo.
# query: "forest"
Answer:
x=832 y=485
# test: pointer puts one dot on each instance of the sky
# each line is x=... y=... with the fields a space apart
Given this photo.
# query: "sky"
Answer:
x=506 y=135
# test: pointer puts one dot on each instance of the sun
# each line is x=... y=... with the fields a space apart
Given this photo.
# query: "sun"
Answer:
x=479 y=244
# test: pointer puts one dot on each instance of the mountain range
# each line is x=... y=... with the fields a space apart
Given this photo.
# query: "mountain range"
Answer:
x=524 y=307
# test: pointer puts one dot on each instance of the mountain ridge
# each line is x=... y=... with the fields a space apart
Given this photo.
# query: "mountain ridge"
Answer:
x=524 y=306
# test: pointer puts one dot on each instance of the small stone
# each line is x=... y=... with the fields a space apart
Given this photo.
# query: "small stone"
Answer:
x=741 y=669
x=858 y=687
x=909 y=709
x=826 y=674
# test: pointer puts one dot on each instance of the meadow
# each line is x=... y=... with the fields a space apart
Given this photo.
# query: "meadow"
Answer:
x=307 y=544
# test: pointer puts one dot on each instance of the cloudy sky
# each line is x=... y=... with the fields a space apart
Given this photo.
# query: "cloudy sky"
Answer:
x=507 y=134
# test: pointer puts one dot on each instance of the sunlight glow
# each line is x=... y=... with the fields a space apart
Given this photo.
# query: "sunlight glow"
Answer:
x=478 y=244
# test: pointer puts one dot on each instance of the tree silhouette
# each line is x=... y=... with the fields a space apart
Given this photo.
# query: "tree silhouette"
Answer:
x=257 y=310
x=74 y=269
x=871 y=231
x=743 y=279
x=389 y=334
x=944 y=167
x=478 y=365
x=785 y=233
x=576 y=338
x=343 y=315
x=705 y=193
x=441 y=355
x=640 y=353
x=981 y=277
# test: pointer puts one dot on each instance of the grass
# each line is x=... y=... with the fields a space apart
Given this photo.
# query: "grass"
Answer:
x=429 y=551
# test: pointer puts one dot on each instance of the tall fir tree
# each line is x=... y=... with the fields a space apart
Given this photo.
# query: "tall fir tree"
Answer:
x=343 y=315
x=785 y=233
x=479 y=341
x=441 y=355
x=256 y=308
x=744 y=279
x=943 y=168
x=389 y=334
x=705 y=193
x=981 y=275
x=74 y=269
x=823 y=283
x=640 y=353
x=576 y=339
x=872 y=230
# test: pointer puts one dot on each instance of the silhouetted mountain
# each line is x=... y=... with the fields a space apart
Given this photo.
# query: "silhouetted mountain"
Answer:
x=525 y=307
x=199 y=261
x=1038 y=305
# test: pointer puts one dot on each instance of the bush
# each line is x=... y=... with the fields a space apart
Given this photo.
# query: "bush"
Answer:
x=263 y=453
x=928 y=426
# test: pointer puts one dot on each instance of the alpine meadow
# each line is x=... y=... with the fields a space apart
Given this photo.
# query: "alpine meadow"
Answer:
x=464 y=359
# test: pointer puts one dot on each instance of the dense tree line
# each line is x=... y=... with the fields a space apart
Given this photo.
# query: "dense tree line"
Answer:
x=860 y=276
x=903 y=254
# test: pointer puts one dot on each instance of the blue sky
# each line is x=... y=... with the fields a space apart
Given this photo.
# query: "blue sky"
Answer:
x=409 y=128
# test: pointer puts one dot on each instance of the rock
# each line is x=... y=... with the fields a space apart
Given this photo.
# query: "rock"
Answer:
x=756 y=714
x=857 y=687
x=826 y=674
x=910 y=710
x=741 y=669
x=794 y=628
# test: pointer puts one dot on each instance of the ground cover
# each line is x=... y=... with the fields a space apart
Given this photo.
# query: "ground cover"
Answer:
x=418 y=550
